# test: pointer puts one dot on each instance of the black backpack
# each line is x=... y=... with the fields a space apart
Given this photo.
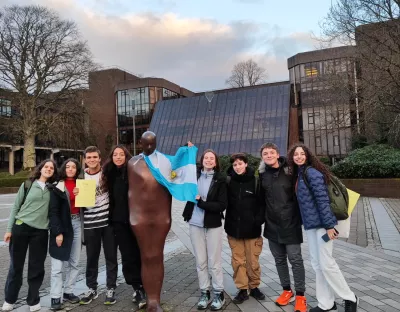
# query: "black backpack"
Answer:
x=338 y=196
x=27 y=188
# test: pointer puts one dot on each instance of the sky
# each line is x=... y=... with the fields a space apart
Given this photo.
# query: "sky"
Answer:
x=193 y=43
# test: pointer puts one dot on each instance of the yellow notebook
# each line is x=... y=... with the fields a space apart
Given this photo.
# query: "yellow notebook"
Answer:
x=87 y=193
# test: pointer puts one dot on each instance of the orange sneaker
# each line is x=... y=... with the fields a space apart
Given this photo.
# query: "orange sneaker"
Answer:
x=301 y=304
x=285 y=298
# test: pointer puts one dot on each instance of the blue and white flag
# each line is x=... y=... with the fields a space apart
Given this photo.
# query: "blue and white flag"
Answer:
x=177 y=173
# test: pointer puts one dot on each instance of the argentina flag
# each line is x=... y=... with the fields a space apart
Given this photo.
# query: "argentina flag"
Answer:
x=177 y=173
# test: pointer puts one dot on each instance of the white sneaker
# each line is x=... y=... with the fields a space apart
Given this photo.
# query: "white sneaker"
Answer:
x=35 y=307
x=7 y=306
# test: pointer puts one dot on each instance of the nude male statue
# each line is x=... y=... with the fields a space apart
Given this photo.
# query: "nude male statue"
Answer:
x=150 y=218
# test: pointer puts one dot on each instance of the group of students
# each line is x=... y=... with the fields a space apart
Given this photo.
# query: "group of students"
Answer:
x=44 y=218
x=279 y=198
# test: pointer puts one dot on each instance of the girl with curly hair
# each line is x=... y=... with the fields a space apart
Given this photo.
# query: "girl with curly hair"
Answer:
x=318 y=221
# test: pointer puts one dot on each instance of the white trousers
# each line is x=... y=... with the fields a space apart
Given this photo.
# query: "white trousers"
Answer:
x=329 y=278
x=207 y=246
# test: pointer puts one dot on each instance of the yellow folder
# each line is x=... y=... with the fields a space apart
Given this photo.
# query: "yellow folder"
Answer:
x=87 y=193
x=353 y=198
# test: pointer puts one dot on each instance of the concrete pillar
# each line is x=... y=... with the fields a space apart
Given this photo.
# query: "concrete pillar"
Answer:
x=11 y=162
x=51 y=155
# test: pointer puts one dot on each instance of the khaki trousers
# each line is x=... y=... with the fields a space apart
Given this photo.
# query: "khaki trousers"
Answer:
x=245 y=255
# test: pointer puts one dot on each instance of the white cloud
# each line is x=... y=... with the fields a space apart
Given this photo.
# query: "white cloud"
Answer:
x=197 y=54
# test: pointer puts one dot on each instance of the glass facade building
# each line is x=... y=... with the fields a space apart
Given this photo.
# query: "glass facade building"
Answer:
x=323 y=86
x=137 y=103
x=236 y=120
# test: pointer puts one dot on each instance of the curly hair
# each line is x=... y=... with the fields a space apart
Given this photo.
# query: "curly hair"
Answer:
x=311 y=160
x=63 y=174
x=35 y=175
x=109 y=169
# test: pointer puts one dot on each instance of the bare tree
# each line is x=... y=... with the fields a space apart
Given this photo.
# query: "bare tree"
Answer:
x=247 y=73
x=374 y=26
x=44 y=61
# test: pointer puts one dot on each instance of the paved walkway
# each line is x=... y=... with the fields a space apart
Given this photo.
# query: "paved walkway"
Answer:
x=373 y=273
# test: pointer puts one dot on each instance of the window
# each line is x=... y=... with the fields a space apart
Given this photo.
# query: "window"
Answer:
x=318 y=141
x=335 y=140
x=5 y=108
x=311 y=116
x=311 y=70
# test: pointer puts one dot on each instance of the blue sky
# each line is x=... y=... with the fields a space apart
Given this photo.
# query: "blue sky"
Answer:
x=194 y=43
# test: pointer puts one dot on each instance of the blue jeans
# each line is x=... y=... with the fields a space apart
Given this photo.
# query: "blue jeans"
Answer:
x=70 y=267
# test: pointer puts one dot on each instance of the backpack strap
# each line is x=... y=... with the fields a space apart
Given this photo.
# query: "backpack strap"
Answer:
x=27 y=187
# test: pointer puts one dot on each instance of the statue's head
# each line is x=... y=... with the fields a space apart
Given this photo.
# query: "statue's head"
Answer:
x=148 y=142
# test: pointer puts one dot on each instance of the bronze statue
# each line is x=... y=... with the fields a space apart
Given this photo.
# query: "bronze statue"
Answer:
x=150 y=218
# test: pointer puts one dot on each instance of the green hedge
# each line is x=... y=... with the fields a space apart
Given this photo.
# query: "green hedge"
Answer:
x=373 y=161
x=12 y=181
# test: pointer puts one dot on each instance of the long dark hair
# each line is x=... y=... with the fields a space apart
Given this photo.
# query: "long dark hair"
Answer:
x=35 y=175
x=62 y=173
x=109 y=169
x=216 y=168
x=311 y=160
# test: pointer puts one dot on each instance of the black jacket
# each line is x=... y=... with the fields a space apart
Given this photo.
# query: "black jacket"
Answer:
x=118 y=197
x=60 y=223
x=214 y=205
x=244 y=214
x=282 y=214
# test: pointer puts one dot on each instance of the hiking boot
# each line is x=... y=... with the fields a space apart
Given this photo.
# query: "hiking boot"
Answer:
x=301 y=304
x=218 y=302
x=257 y=294
x=55 y=304
x=89 y=296
x=285 y=298
x=35 y=308
x=350 y=306
x=241 y=296
x=139 y=296
x=110 y=297
x=71 y=298
x=318 y=309
x=204 y=300
x=7 y=306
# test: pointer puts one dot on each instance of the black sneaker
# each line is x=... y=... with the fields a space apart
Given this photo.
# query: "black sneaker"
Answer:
x=318 y=309
x=241 y=296
x=257 y=294
x=110 y=297
x=71 y=298
x=55 y=304
x=139 y=296
x=350 y=306
x=89 y=296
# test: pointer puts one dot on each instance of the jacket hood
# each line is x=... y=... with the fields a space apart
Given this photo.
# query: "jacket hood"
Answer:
x=263 y=166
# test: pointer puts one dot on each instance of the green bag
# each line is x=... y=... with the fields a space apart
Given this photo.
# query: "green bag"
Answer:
x=338 y=196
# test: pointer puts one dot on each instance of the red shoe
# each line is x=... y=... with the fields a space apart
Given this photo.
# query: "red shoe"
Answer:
x=301 y=304
x=285 y=298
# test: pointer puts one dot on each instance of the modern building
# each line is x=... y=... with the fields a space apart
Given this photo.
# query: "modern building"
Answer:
x=228 y=121
x=323 y=88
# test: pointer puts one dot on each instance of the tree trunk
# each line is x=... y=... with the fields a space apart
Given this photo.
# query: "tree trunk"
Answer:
x=29 y=152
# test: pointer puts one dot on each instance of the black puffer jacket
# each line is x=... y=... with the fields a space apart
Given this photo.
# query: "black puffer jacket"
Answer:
x=282 y=214
x=60 y=223
x=244 y=215
x=214 y=205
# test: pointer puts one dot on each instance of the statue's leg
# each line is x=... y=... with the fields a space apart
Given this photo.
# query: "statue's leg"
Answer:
x=151 y=239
